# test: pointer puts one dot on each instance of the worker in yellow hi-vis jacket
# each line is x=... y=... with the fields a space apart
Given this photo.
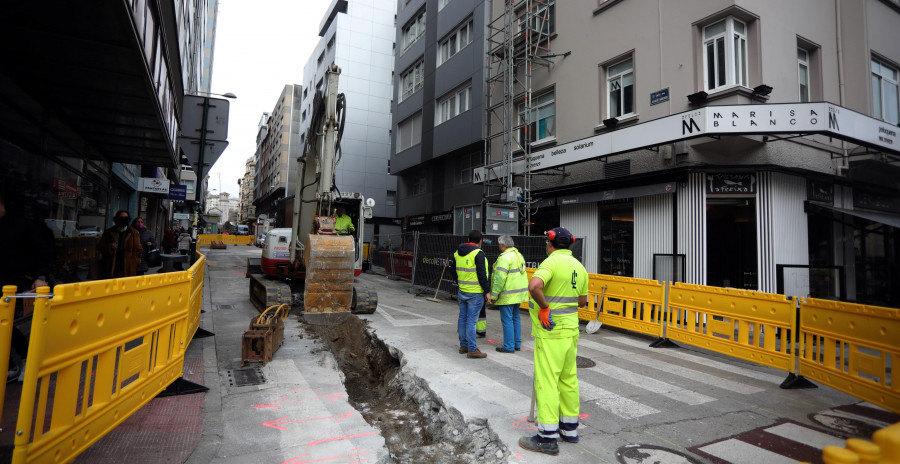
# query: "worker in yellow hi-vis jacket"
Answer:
x=558 y=288
x=509 y=288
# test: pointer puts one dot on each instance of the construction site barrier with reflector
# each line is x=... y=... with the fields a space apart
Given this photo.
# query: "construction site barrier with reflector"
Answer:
x=97 y=353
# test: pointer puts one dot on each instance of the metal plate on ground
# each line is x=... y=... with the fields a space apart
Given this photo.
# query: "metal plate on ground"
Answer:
x=226 y=306
x=582 y=363
x=245 y=377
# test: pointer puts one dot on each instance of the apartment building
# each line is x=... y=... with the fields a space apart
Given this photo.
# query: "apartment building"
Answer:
x=438 y=113
x=277 y=151
x=246 y=184
x=749 y=144
x=358 y=36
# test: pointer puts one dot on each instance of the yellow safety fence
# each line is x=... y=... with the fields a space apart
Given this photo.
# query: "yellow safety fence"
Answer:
x=750 y=325
x=851 y=347
x=627 y=303
x=228 y=239
x=98 y=352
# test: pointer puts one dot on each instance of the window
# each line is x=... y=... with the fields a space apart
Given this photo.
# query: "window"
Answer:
x=409 y=132
x=442 y=4
x=803 y=73
x=542 y=124
x=725 y=54
x=413 y=30
x=620 y=89
x=884 y=92
x=391 y=198
x=543 y=20
x=455 y=42
x=455 y=103
x=330 y=44
x=418 y=186
x=467 y=164
x=412 y=80
x=321 y=58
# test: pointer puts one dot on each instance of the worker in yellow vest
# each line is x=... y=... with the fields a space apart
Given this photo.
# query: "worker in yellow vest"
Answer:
x=509 y=289
x=343 y=224
x=558 y=288
x=471 y=268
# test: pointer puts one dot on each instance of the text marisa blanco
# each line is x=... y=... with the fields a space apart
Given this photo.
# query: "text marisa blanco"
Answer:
x=769 y=118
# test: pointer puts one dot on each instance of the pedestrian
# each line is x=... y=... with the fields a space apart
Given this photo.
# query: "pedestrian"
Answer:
x=471 y=267
x=120 y=248
x=343 y=224
x=168 y=240
x=509 y=288
x=26 y=265
x=148 y=243
x=184 y=242
x=558 y=287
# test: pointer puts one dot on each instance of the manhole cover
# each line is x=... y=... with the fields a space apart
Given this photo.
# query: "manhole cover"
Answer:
x=226 y=306
x=245 y=377
x=581 y=362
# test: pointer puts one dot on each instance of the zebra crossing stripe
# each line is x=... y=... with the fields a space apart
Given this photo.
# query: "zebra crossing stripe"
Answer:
x=670 y=391
x=607 y=400
x=673 y=369
x=416 y=320
x=704 y=360
x=805 y=435
x=738 y=452
x=786 y=441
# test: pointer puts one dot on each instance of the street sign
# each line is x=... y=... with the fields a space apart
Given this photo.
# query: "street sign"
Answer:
x=181 y=216
x=177 y=192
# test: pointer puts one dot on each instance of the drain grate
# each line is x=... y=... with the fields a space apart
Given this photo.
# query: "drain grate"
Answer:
x=226 y=306
x=581 y=362
x=245 y=377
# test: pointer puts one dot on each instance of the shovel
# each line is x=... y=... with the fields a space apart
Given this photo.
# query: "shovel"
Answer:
x=435 y=298
x=595 y=325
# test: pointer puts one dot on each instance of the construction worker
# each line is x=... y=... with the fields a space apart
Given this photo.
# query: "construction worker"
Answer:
x=509 y=288
x=343 y=224
x=471 y=266
x=558 y=288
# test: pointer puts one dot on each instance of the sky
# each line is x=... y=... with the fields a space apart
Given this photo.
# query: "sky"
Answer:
x=261 y=46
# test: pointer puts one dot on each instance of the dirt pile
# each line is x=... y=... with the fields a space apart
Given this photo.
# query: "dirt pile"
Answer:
x=415 y=423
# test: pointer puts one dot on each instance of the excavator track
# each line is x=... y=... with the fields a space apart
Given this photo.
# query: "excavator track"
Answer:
x=266 y=292
x=328 y=293
x=365 y=300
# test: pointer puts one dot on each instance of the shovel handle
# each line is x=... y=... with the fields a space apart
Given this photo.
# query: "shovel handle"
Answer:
x=602 y=294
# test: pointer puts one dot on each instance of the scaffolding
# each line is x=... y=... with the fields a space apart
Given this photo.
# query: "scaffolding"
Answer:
x=518 y=39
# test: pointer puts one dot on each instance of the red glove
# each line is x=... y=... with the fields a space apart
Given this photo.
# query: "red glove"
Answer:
x=546 y=320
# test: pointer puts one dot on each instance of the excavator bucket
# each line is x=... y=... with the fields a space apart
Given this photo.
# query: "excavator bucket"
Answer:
x=329 y=279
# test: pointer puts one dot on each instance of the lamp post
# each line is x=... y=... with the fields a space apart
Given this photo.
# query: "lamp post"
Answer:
x=203 y=130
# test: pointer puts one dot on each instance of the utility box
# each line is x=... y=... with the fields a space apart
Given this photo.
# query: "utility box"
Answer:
x=466 y=218
x=501 y=219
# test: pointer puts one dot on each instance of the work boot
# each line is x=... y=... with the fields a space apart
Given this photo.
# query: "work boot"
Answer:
x=463 y=350
x=532 y=444
x=504 y=350
x=568 y=439
x=476 y=354
x=481 y=334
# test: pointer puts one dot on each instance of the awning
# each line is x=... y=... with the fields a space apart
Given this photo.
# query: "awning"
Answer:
x=889 y=219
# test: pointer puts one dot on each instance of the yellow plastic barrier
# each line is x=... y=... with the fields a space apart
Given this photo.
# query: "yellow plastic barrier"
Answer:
x=98 y=352
x=740 y=323
x=848 y=347
x=7 y=315
x=207 y=239
x=629 y=303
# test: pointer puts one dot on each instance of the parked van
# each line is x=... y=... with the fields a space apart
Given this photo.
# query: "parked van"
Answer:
x=243 y=229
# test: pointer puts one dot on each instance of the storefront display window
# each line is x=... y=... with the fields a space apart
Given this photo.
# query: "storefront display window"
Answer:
x=617 y=239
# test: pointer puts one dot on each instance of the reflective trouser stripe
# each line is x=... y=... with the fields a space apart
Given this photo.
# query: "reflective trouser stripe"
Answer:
x=555 y=383
x=481 y=324
x=568 y=426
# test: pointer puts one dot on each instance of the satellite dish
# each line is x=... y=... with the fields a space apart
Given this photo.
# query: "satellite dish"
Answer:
x=370 y=202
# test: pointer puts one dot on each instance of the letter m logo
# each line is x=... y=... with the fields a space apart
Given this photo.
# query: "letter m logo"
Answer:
x=477 y=175
x=688 y=126
x=833 y=122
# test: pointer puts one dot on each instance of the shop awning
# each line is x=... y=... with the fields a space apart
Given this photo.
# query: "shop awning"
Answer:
x=889 y=219
x=75 y=83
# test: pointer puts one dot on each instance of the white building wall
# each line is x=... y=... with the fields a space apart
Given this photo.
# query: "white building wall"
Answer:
x=692 y=227
x=782 y=232
x=652 y=231
x=583 y=221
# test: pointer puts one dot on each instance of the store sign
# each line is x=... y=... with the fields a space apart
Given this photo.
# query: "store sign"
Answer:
x=153 y=185
x=821 y=192
x=177 y=192
x=731 y=183
x=65 y=189
x=784 y=118
x=181 y=216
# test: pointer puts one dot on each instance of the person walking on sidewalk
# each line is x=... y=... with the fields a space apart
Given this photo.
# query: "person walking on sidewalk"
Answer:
x=509 y=288
x=559 y=287
x=471 y=266
x=148 y=243
x=120 y=247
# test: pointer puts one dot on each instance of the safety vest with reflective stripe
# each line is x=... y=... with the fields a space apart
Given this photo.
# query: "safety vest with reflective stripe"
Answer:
x=565 y=280
x=343 y=224
x=466 y=272
x=510 y=282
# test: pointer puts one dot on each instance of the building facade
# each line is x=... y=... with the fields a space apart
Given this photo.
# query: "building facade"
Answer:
x=87 y=121
x=277 y=151
x=438 y=112
x=756 y=142
x=358 y=37
x=247 y=183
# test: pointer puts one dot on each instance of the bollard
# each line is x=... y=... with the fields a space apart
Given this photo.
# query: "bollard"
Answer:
x=868 y=452
x=838 y=455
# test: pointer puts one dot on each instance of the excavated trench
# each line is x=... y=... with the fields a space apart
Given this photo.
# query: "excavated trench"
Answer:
x=416 y=425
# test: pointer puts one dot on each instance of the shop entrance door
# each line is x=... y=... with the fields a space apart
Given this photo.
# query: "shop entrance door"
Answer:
x=731 y=243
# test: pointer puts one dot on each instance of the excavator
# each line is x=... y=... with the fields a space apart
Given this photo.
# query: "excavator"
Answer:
x=310 y=265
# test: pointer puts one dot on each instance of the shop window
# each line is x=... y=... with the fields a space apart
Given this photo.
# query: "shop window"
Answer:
x=617 y=239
